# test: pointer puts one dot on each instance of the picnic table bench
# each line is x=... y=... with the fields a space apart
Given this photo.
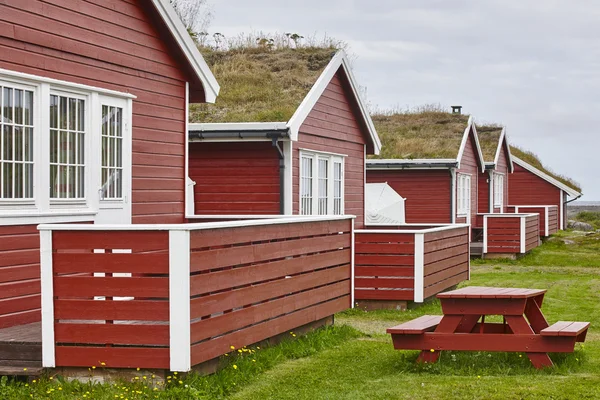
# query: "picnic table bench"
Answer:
x=463 y=327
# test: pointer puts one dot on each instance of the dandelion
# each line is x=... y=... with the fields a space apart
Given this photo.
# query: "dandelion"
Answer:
x=59 y=388
x=478 y=377
x=51 y=378
x=432 y=350
x=234 y=366
x=24 y=369
x=34 y=381
x=102 y=363
x=293 y=335
x=137 y=369
x=144 y=377
x=520 y=355
x=93 y=367
x=155 y=389
x=258 y=347
x=169 y=377
x=239 y=350
x=577 y=359
x=153 y=376
x=181 y=382
x=232 y=347
x=136 y=378
x=253 y=360
x=175 y=373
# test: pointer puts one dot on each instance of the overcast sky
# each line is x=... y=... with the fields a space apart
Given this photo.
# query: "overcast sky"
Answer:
x=531 y=65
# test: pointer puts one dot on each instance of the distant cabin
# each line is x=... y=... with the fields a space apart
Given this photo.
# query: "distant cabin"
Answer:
x=493 y=182
x=288 y=135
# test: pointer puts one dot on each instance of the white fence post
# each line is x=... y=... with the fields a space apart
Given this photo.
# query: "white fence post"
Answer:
x=419 y=267
x=47 y=295
x=179 y=301
x=523 y=234
x=352 y=249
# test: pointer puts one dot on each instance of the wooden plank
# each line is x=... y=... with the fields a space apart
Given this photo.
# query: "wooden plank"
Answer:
x=19 y=257
x=113 y=357
x=253 y=253
x=20 y=273
x=226 y=279
x=238 y=319
x=219 y=302
x=446 y=253
x=387 y=283
x=435 y=236
x=373 y=294
x=130 y=310
x=21 y=303
x=70 y=286
x=565 y=328
x=80 y=333
x=461 y=259
x=385 y=237
x=86 y=240
x=384 y=248
x=432 y=279
x=213 y=348
x=385 y=260
x=466 y=306
x=20 y=288
x=19 y=318
x=364 y=271
x=152 y=263
x=424 y=323
x=446 y=243
x=21 y=352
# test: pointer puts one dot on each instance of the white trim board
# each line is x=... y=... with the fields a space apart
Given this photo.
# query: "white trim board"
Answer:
x=465 y=139
x=571 y=192
x=189 y=49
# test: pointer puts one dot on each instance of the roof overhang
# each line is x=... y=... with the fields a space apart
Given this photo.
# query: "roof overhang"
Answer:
x=189 y=49
x=426 y=163
x=238 y=131
x=465 y=139
x=568 y=190
x=339 y=60
x=501 y=142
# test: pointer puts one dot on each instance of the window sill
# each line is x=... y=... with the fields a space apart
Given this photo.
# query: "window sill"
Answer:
x=34 y=217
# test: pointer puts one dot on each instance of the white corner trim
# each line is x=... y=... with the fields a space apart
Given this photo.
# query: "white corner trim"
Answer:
x=236 y=126
x=523 y=234
x=179 y=301
x=436 y=228
x=546 y=222
x=47 y=294
x=352 y=265
x=485 y=234
x=288 y=181
x=339 y=60
x=561 y=211
x=546 y=177
x=187 y=45
x=419 y=267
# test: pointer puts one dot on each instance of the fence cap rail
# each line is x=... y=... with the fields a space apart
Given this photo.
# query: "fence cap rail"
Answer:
x=440 y=228
x=193 y=226
x=509 y=215
x=240 y=216
x=535 y=206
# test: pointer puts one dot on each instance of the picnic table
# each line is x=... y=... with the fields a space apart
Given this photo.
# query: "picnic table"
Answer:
x=463 y=326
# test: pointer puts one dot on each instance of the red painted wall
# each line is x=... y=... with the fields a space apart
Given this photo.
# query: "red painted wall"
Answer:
x=334 y=126
x=427 y=192
x=526 y=188
x=235 y=178
x=113 y=44
x=484 y=184
x=469 y=164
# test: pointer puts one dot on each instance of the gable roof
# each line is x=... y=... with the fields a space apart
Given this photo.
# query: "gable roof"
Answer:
x=492 y=139
x=189 y=49
x=265 y=86
x=423 y=136
x=569 y=190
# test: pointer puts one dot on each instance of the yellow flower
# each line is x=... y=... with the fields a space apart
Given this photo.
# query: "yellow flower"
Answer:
x=153 y=376
x=432 y=350
x=137 y=378
x=34 y=381
x=232 y=347
x=93 y=367
x=257 y=347
x=239 y=350
x=181 y=382
x=51 y=378
x=144 y=377
x=234 y=366
x=520 y=355
x=293 y=334
x=155 y=389
x=169 y=377
x=175 y=373
x=24 y=369
x=102 y=363
x=27 y=384
x=478 y=377
x=253 y=360
x=137 y=369
x=59 y=388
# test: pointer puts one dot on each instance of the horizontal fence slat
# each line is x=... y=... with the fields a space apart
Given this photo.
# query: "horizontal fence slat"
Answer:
x=137 y=241
x=383 y=260
x=433 y=267
x=152 y=263
x=129 y=334
x=385 y=237
x=449 y=233
x=384 y=248
x=372 y=294
x=113 y=357
x=445 y=253
x=365 y=271
x=210 y=349
x=441 y=275
x=238 y=319
x=445 y=243
x=134 y=310
x=381 y=282
x=224 y=301
x=225 y=279
x=445 y=284
x=76 y=286
x=219 y=258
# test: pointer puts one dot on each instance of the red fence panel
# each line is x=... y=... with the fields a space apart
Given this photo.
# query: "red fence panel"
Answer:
x=502 y=233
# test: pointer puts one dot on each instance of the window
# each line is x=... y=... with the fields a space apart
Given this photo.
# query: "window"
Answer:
x=16 y=142
x=322 y=194
x=498 y=189
x=64 y=148
x=463 y=198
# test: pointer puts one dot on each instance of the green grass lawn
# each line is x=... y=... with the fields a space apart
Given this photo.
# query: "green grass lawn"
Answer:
x=355 y=359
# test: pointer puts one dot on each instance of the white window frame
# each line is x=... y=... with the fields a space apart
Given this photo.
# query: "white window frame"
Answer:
x=498 y=182
x=463 y=194
x=332 y=159
x=42 y=209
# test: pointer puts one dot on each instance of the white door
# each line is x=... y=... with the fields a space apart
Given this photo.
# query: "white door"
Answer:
x=113 y=159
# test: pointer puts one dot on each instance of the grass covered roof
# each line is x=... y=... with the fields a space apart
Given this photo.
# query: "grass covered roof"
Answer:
x=428 y=134
x=261 y=83
x=489 y=135
x=533 y=160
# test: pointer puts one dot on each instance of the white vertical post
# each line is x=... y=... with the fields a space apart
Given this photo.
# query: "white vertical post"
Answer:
x=288 y=194
x=47 y=291
x=352 y=264
x=523 y=236
x=419 y=267
x=179 y=301
x=546 y=221
x=485 y=235
x=561 y=211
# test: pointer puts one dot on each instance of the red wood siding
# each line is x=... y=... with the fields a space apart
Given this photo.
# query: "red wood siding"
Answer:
x=469 y=164
x=504 y=235
x=235 y=178
x=112 y=44
x=243 y=292
x=483 y=195
x=19 y=275
x=334 y=125
x=427 y=192
x=532 y=235
x=527 y=189
x=553 y=221
x=503 y=168
x=80 y=340
x=446 y=260
x=484 y=182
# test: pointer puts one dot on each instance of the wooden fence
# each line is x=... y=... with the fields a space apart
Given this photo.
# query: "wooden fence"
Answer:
x=549 y=218
x=172 y=296
x=510 y=233
x=411 y=263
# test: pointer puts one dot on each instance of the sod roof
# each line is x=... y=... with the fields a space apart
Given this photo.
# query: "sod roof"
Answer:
x=533 y=160
x=260 y=84
x=420 y=135
x=489 y=136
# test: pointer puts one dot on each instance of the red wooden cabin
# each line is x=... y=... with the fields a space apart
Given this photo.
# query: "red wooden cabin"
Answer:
x=532 y=189
x=310 y=163
x=493 y=183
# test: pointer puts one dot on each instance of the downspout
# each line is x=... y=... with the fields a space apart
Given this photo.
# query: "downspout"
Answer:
x=565 y=217
x=275 y=143
x=452 y=195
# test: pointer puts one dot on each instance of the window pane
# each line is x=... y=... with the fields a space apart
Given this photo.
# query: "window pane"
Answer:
x=7 y=101
x=323 y=186
x=63 y=113
x=54 y=181
x=28 y=181
x=18 y=181
x=81 y=116
x=72 y=114
x=54 y=112
x=28 y=108
x=28 y=146
x=112 y=156
x=81 y=148
x=7 y=143
x=18 y=143
x=18 y=107
x=63 y=146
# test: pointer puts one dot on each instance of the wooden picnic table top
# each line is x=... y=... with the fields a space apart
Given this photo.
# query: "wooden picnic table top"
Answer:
x=483 y=292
